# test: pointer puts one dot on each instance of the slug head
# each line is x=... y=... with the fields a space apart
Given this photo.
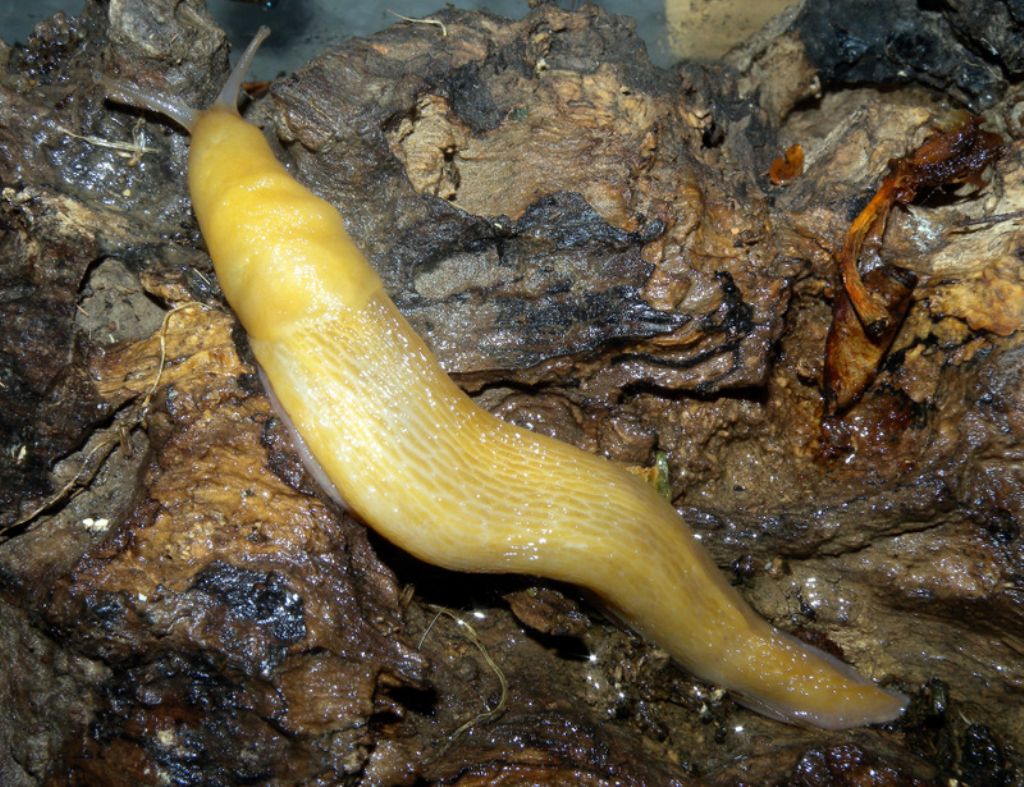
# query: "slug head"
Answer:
x=171 y=107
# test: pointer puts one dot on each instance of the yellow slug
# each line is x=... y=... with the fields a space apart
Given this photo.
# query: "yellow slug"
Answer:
x=442 y=478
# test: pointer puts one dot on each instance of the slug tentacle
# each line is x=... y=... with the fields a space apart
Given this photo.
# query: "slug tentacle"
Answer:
x=162 y=104
x=422 y=464
x=228 y=97
x=172 y=107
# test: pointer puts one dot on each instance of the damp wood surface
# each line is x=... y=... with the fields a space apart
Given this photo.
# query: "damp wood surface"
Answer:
x=595 y=249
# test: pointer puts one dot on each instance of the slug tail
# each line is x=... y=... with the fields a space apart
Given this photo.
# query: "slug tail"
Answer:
x=228 y=98
x=817 y=689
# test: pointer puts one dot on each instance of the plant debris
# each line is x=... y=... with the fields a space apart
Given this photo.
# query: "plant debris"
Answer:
x=870 y=308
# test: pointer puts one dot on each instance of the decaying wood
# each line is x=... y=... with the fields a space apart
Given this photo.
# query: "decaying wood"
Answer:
x=594 y=249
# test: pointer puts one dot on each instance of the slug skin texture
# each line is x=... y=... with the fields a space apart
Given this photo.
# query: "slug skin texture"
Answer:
x=445 y=480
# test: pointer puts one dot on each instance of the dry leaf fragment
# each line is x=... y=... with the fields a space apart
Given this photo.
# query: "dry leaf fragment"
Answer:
x=869 y=310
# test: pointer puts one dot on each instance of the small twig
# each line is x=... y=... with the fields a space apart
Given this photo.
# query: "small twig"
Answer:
x=115 y=435
x=85 y=474
x=995 y=218
x=426 y=631
x=125 y=147
x=424 y=21
x=163 y=353
x=471 y=635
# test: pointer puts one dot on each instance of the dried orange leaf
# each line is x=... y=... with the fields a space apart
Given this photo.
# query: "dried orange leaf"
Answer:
x=870 y=309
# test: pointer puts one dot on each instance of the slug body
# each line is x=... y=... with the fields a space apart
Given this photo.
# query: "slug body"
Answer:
x=445 y=480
